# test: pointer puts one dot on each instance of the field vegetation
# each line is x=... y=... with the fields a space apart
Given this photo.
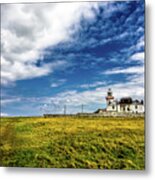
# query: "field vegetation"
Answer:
x=73 y=142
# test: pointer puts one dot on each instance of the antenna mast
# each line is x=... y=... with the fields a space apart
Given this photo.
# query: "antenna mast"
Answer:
x=65 y=109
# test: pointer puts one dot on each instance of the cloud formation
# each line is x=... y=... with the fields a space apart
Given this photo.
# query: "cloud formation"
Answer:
x=129 y=70
x=58 y=83
x=139 y=56
x=3 y=114
x=27 y=29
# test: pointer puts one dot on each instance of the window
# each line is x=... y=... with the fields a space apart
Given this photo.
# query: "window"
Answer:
x=113 y=107
x=136 y=106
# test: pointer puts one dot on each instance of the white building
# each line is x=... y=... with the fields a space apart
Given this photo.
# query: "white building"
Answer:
x=124 y=105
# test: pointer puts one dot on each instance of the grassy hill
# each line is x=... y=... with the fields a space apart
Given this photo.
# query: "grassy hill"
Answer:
x=73 y=142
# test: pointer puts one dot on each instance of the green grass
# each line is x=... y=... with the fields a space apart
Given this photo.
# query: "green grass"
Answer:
x=73 y=142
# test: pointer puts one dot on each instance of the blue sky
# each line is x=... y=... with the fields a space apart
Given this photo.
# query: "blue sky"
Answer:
x=54 y=56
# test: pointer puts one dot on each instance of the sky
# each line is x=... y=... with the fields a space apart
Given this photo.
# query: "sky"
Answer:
x=57 y=54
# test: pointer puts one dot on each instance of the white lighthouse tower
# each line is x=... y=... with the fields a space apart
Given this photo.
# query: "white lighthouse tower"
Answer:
x=111 y=104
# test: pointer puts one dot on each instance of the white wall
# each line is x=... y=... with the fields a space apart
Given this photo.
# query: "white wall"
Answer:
x=132 y=107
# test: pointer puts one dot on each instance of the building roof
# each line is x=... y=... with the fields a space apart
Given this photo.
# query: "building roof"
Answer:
x=126 y=100
x=99 y=110
x=138 y=102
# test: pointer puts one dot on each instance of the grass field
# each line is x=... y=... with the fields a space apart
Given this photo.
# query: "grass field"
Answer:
x=73 y=142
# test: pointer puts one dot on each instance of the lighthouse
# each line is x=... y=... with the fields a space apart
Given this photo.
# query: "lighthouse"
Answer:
x=110 y=100
x=109 y=97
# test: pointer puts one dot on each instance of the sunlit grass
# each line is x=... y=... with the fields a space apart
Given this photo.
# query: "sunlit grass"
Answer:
x=73 y=142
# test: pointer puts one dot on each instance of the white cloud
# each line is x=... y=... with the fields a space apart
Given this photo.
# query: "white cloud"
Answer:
x=58 y=83
x=4 y=114
x=130 y=70
x=92 y=85
x=138 y=46
x=137 y=79
x=20 y=71
x=140 y=43
x=6 y=101
x=138 y=57
x=27 y=29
